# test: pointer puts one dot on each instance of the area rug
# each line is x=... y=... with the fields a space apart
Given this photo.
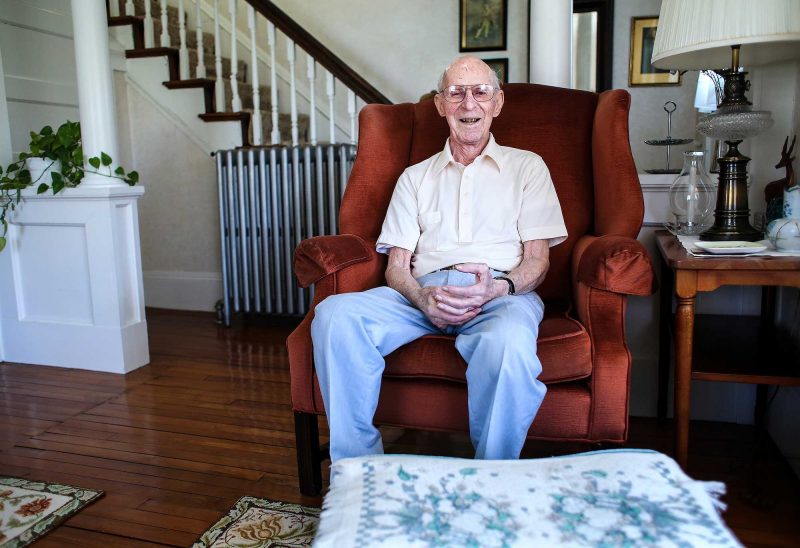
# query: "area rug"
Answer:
x=261 y=523
x=30 y=509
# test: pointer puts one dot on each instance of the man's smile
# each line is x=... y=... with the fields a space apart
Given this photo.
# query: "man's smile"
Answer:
x=469 y=120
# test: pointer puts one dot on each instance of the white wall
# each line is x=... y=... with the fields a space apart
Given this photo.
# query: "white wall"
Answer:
x=402 y=46
x=648 y=119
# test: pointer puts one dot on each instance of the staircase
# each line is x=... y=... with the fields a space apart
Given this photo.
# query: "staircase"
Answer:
x=231 y=91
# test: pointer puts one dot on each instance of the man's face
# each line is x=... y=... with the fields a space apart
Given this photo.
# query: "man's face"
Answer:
x=469 y=120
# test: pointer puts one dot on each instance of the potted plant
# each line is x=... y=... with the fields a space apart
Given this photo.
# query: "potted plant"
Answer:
x=54 y=161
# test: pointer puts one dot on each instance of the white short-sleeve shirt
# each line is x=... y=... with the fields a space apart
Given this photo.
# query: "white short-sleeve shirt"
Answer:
x=447 y=213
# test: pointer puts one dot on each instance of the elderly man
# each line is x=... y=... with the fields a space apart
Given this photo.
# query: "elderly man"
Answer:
x=468 y=233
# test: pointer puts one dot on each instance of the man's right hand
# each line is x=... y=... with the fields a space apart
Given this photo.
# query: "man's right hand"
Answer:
x=399 y=278
x=439 y=314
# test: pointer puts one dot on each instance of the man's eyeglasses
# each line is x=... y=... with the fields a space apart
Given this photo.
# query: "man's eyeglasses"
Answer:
x=456 y=94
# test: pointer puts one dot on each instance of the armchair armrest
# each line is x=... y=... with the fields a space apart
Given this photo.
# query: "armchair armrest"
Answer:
x=614 y=263
x=320 y=256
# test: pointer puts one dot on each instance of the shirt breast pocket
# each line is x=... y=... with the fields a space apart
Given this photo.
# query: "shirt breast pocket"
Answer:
x=430 y=224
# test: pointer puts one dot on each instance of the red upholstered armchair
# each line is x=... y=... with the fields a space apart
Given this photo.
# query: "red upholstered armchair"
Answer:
x=583 y=138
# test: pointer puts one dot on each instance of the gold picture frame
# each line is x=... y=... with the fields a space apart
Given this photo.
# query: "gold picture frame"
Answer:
x=482 y=25
x=500 y=67
x=640 y=71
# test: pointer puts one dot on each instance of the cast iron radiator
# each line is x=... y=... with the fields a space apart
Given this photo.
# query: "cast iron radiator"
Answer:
x=269 y=200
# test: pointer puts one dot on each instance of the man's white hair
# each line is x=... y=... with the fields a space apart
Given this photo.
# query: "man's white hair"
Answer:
x=494 y=81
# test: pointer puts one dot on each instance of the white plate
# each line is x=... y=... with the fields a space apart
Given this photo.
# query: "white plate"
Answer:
x=731 y=248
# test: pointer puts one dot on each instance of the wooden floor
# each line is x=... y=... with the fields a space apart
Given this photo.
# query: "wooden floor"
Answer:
x=176 y=443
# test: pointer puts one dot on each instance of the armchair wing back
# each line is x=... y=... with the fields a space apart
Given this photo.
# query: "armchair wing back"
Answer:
x=583 y=138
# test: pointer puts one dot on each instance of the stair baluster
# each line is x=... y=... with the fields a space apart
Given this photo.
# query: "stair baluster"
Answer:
x=312 y=94
x=290 y=58
x=113 y=8
x=251 y=22
x=219 y=86
x=275 y=135
x=129 y=8
x=351 y=112
x=165 y=42
x=236 y=101
x=200 y=70
x=149 y=32
x=330 y=89
x=183 y=52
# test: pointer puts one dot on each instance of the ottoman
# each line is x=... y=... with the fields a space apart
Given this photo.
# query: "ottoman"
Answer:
x=620 y=497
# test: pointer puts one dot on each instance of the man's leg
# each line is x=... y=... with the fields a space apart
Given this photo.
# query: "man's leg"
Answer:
x=499 y=346
x=352 y=332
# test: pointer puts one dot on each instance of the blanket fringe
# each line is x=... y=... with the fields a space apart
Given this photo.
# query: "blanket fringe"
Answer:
x=715 y=490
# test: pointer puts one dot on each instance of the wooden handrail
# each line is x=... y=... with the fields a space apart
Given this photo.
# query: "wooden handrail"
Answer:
x=320 y=53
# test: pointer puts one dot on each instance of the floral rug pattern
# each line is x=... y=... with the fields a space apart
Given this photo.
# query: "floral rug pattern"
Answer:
x=30 y=509
x=261 y=523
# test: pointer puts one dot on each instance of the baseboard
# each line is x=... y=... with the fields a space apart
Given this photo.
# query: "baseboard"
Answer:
x=182 y=290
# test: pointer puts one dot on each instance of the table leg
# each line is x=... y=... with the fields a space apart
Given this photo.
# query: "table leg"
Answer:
x=684 y=333
x=664 y=321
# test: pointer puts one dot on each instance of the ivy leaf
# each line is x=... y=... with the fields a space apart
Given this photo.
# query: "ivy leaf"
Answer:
x=46 y=130
x=105 y=158
x=94 y=161
x=42 y=188
x=120 y=171
x=57 y=186
x=2 y=243
x=12 y=168
x=57 y=178
x=133 y=177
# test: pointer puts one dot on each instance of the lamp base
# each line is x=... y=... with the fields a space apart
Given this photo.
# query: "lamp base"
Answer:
x=732 y=213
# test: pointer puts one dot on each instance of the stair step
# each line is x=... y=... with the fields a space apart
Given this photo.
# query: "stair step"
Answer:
x=170 y=53
x=243 y=117
x=136 y=24
x=208 y=61
x=206 y=84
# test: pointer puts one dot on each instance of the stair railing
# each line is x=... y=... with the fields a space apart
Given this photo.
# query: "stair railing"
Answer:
x=260 y=38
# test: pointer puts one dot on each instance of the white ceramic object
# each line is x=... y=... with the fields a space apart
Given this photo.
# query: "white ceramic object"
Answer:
x=785 y=233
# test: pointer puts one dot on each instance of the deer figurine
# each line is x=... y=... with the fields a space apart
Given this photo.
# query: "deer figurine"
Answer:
x=774 y=191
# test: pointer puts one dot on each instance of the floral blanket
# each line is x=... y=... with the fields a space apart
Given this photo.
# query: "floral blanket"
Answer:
x=602 y=498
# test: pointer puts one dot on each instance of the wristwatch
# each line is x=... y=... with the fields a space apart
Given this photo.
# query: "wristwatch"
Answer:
x=511 y=289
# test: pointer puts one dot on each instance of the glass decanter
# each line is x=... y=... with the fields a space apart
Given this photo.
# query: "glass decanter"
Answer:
x=691 y=196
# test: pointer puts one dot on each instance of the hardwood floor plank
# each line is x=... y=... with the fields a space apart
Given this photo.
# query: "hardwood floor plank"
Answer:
x=66 y=535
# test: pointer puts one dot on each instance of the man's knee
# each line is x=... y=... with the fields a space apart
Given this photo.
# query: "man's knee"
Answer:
x=333 y=310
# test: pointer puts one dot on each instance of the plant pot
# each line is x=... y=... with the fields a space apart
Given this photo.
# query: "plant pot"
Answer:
x=40 y=169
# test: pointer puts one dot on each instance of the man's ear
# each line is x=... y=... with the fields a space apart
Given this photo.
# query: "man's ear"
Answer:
x=437 y=100
x=499 y=98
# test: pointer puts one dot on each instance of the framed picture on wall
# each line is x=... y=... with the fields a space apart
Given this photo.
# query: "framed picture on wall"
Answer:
x=483 y=25
x=500 y=67
x=642 y=72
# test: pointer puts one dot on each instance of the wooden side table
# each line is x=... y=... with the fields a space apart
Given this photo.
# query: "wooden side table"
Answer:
x=717 y=348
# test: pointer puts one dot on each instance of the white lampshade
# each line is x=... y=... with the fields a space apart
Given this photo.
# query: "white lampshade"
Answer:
x=698 y=34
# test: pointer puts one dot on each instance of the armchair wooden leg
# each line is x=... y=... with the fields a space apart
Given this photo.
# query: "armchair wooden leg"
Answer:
x=309 y=458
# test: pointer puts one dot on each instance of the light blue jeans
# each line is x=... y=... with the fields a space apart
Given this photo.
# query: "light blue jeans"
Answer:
x=352 y=332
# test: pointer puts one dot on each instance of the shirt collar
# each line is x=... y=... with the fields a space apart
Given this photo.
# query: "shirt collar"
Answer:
x=492 y=150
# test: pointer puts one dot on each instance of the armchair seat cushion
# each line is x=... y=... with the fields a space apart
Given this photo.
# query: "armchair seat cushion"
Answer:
x=564 y=349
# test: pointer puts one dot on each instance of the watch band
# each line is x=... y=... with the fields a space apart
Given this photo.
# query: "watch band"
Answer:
x=511 y=289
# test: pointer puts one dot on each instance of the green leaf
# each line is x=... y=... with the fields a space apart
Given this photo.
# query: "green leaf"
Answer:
x=12 y=168
x=2 y=243
x=94 y=161
x=57 y=186
x=119 y=171
x=57 y=178
x=42 y=188
x=133 y=177
x=46 y=130
x=105 y=159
